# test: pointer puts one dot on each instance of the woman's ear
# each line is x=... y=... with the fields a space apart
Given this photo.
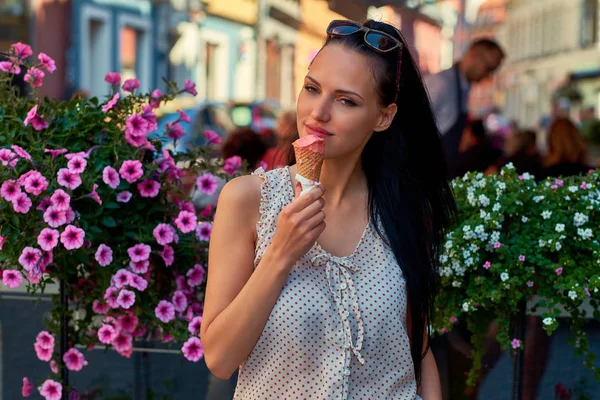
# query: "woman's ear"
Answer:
x=386 y=116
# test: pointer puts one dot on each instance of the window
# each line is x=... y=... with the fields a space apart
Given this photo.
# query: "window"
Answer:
x=589 y=23
x=211 y=71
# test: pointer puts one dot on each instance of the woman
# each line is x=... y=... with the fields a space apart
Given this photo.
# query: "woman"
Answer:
x=567 y=151
x=327 y=295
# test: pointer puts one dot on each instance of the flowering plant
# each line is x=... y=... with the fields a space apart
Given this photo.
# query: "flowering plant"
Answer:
x=88 y=199
x=520 y=241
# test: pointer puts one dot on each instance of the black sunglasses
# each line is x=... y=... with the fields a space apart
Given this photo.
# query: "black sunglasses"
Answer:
x=379 y=41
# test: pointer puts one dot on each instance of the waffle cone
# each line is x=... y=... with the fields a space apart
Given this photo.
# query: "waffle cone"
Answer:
x=308 y=163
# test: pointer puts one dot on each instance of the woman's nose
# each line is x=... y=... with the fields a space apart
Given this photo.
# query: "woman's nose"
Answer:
x=321 y=111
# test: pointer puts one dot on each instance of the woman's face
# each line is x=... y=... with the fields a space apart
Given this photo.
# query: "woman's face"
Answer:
x=339 y=102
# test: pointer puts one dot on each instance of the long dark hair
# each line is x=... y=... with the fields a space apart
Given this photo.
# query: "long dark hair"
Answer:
x=406 y=178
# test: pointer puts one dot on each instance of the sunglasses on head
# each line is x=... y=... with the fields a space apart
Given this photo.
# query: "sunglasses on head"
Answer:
x=379 y=41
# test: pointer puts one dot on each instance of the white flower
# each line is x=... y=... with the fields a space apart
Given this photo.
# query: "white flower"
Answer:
x=446 y=271
x=483 y=200
x=537 y=199
x=473 y=247
x=465 y=306
x=559 y=227
x=573 y=189
x=501 y=185
x=567 y=198
x=496 y=207
x=469 y=261
x=527 y=176
x=444 y=258
x=504 y=276
x=558 y=246
x=495 y=236
x=580 y=219
x=542 y=242
x=510 y=165
x=524 y=219
x=448 y=245
x=479 y=175
x=482 y=214
x=548 y=321
x=481 y=183
x=585 y=233
x=479 y=229
x=466 y=228
x=546 y=214
x=572 y=294
x=456 y=284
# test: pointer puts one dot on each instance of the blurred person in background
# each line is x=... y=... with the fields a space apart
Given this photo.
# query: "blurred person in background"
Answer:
x=521 y=150
x=449 y=91
x=277 y=156
x=567 y=151
x=476 y=152
x=246 y=143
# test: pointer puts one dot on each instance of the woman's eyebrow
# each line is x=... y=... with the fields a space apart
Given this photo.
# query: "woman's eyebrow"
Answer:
x=342 y=91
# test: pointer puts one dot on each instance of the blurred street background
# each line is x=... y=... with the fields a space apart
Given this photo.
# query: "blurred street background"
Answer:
x=248 y=59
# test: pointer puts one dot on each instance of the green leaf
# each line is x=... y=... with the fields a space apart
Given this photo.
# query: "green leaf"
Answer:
x=109 y=222
x=15 y=221
x=95 y=229
x=112 y=205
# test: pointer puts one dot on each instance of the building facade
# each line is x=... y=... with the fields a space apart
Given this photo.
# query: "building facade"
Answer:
x=553 y=45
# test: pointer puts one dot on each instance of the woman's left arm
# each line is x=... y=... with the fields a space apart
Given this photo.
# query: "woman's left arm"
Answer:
x=431 y=388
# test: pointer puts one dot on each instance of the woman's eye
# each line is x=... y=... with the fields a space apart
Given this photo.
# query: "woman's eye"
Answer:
x=310 y=89
x=348 y=102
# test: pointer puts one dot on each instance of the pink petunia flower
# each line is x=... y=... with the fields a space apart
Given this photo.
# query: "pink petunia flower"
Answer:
x=121 y=278
x=190 y=87
x=37 y=121
x=187 y=206
x=559 y=271
x=515 y=343
x=111 y=296
x=150 y=117
x=453 y=320
x=131 y=170
x=29 y=257
x=104 y=255
x=179 y=301
x=168 y=255
x=68 y=179
x=47 y=62
x=212 y=137
x=155 y=98
x=47 y=258
x=183 y=117
x=127 y=323
x=27 y=388
x=186 y=221
x=192 y=349
x=126 y=299
x=124 y=197
x=521 y=258
x=8 y=157
x=11 y=278
x=35 y=184
x=497 y=245
x=34 y=76
x=53 y=366
x=107 y=334
x=583 y=185
x=2 y=239
x=139 y=252
x=55 y=218
x=74 y=360
x=100 y=308
x=110 y=176
x=130 y=85
x=149 y=188
x=207 y=183
x=21 y=152
x=232 y=164
x=587 y=291
x=165 y=311
x=9 y=190
x=195 y=275
x=203 y=231
x=46 y=340
x=81 y=154
x=51 y=390
x=60 y=200
x=21 y=203
x=122 y=341
x=136 y=126
x=44 y=204
x=94 y=194
x=10 y=67
x=56 y=152
x=42 y=353
x=164 y=234
x=72 y=237
x=139 y=283
x=21 y=50
x=113 y=78
x=174 y=130
x=139 y=267
x=111 y=103
x=69 y=215
x=194 y=325
x=77 y=165
x=48 y=239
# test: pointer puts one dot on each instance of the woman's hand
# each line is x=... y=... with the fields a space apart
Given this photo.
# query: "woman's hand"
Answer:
x=299 y=225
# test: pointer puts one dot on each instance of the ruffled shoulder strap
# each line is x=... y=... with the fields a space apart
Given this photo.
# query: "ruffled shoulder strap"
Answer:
x=276 y=193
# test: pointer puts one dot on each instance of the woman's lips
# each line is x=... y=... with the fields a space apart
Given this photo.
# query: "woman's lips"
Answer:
x=319 y=132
